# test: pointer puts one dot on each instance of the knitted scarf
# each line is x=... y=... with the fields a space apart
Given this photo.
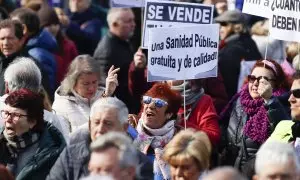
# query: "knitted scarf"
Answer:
x=191 y=97
x=17 y=144
x=257 y=126
x=158 y=140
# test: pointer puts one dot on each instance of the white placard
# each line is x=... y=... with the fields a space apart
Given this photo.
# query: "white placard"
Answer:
x=127 y=3
x=159 y=14
x=257 y=7
x=183 y=53
x=285 y=20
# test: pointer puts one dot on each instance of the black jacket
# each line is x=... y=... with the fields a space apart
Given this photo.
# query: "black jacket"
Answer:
x=5 y=61
x=73 y=161
x=236 y=48
x=112 y=50
x=239 y=148
x=50 y=145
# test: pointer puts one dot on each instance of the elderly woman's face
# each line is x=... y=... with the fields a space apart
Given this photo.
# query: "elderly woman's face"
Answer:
x=259 y=72
x=154 y=115
x=86 y=85
x=185 y=170
x=15 y=121
x=225 y=30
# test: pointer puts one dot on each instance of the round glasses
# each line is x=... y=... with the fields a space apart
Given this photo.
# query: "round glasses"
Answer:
x=14 y=116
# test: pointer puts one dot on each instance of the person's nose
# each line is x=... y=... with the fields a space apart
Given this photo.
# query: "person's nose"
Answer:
x=292 y=98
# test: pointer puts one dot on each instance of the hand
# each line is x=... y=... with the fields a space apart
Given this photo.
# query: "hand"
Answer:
x=133 y=120
x=64 y=20
x=140 y=59
x=265 y=89
x=111 y=81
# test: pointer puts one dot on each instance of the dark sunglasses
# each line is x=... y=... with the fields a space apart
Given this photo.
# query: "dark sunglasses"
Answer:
x=223 y=23
x=252 y=78
x=296 y=93
x=158 y=102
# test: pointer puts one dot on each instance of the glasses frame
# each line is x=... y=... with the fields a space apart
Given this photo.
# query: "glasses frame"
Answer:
x=159 y=103
x=14 y=116
x=296 y=93
x=251 y=77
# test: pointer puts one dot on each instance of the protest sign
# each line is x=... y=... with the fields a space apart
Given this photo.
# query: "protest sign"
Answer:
x=127 y=3
x=160 y=14
x=183 y=53
x=285 y=20
x=257 y=7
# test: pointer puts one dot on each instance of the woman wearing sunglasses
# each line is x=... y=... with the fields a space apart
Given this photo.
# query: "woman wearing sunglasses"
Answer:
x=156 y=126
x=253 y=113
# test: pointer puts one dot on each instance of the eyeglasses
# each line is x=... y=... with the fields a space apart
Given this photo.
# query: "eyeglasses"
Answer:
x=14 y=116
x=158 y=102
x=252 y=78
x=296 y=93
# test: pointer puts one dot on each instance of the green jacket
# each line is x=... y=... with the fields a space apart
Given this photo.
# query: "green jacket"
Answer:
x=282 y=132
x=51 y=144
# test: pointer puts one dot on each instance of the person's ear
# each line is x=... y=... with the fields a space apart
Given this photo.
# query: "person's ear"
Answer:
x=32 y=123
x=255 y=177
x=125 y=127
x=25 y=30
x=6 y=88
x=115 y=24
x=169 y=115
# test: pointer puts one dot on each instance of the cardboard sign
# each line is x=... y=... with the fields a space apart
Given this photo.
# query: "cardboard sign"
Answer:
x=285 y=20
x=160 y=14
x=183 y=53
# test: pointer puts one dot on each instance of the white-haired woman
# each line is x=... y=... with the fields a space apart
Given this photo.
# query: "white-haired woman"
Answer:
x=80 y=88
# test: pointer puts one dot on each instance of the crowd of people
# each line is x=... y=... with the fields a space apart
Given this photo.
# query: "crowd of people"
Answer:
x=76 y=104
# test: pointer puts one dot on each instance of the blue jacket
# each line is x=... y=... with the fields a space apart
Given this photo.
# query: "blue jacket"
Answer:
x=41 y=47
x=85 y=30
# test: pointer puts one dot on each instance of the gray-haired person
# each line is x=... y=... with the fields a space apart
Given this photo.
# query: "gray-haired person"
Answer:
x=224 y=173
x=114 y=154
x=107 y=115
x=24 y=73
x=276 y=160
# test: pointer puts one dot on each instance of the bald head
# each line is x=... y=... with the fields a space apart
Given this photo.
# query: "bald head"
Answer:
x=224 y=173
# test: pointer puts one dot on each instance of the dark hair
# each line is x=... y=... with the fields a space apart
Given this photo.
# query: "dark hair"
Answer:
x=30 y=102
x=12 y=24
x=296 y=75
x=281 y=80
x=163 y=91
x=3 y=13
x=29 y=18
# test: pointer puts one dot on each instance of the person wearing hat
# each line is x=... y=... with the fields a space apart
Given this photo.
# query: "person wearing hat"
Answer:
x=236 y=45
x=67 y=50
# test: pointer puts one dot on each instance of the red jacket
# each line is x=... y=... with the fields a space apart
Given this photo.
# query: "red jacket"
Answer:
x=204 y=117
x=64 y=58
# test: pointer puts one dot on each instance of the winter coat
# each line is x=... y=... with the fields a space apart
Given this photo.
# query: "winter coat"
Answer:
x=240 y=149
x=204 y=117
x=236 y=48
x=85 y=30
x=59 y=122
x=50 y=145
x=64 y=57
x=41 y=47
x=73 y=161
x=112 y=50
x=5 y=61
x=74 y=108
